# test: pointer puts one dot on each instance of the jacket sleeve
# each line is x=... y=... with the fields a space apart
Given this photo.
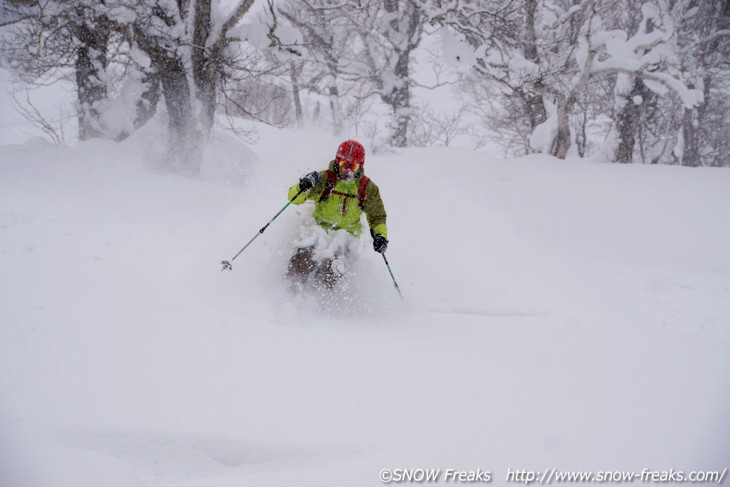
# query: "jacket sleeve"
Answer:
x=375 y=210
x=293 y=191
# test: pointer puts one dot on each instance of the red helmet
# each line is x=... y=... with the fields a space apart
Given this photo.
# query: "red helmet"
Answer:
x=352 y=151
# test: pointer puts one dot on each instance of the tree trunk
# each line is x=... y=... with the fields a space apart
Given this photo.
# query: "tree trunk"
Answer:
x=400 y=101
x=185 y=139
x=295 y=93
x=188 y=67
x=581 y=134
x=187 y=133
x=627 y=122
x=692 y=120
x=147 y=104
x=205 y=66
x=335 y=106
x=691 y=152
x=532 y=99
x=535 y=107
x=399 y=96
x=561 y=143
x=333 y=92
x=91 y=88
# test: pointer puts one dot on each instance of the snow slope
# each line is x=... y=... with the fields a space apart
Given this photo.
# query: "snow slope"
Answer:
x=557 y=314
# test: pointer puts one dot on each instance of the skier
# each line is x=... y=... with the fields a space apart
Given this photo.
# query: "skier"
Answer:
x=341 y=194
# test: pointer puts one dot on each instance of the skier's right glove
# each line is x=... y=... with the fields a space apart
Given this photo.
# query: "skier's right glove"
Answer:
x=308 y=181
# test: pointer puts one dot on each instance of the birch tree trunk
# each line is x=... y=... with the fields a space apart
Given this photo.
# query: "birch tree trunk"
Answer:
x=405 y=37
x=399 y=100
x=561 y=142
x=294 y=71
x=533 y=99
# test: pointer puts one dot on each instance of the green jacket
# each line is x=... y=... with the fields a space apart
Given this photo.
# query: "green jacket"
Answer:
x=343 y=212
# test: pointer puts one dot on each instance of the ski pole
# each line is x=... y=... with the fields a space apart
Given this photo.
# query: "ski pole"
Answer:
x=392 y=276
x=227 y=264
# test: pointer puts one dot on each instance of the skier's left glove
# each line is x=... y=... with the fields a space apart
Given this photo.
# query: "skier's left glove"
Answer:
x=380 y=243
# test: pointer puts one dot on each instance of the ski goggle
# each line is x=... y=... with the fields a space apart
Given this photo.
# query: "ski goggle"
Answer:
x=353 y=166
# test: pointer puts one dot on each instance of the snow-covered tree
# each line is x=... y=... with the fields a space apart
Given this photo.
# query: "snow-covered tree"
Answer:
x=632 y=99
x=375 y=62
x=390 y=31
x=322 y=24
x=650 y=68
x=501 y=44
x=186 y=43
x=704 y=52
x=178 y=46
x=547 y=52
x=47 y=40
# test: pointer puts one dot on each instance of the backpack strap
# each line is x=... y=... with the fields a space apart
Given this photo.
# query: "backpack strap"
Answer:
x=331 y=181
x=362 y=190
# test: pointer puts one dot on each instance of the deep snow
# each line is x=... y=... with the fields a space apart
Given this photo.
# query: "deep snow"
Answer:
x=558 y=314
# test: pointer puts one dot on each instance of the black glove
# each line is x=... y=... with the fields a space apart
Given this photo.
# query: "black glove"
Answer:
x=308 y=181
x=380 y=243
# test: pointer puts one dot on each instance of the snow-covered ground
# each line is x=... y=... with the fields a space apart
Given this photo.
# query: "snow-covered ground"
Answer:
x=557 y=314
